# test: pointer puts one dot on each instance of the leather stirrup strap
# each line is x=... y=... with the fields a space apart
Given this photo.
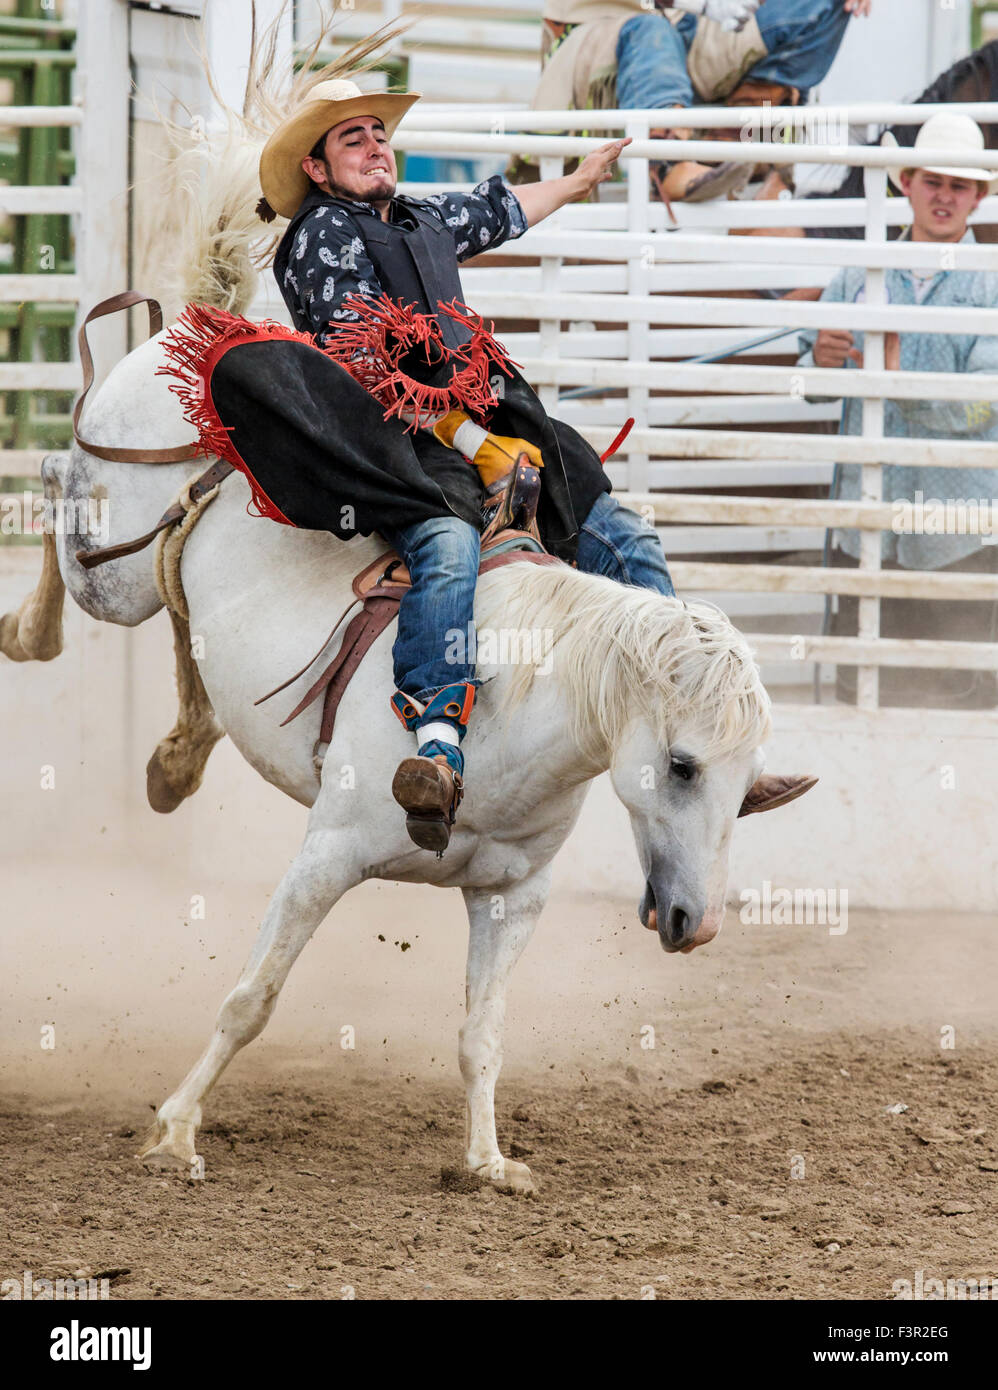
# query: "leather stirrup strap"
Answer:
x=111 y=306
x=379 y=612
x=380 y=608
x=210 y=478
x=291 y=679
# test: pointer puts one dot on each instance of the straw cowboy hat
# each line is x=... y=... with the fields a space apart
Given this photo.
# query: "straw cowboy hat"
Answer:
x=283 y=180
x=947 y=131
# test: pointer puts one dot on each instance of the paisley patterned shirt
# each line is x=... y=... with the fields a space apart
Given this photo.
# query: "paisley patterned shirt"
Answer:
x=329 y=260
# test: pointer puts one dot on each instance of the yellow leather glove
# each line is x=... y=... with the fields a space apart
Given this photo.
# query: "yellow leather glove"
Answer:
x=494 y=455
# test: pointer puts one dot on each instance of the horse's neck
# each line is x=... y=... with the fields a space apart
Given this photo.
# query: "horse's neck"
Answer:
x=134 y=407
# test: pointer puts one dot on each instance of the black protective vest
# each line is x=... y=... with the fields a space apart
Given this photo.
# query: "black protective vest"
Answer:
x=414 y=260
x=416 y=264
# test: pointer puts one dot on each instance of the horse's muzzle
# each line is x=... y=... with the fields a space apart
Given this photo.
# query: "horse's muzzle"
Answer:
x=681 y=929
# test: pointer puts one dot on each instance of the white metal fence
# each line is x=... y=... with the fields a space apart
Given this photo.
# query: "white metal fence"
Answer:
x=97 y=200
x=640 y=290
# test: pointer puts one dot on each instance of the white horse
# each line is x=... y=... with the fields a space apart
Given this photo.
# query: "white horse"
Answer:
x=663 y=694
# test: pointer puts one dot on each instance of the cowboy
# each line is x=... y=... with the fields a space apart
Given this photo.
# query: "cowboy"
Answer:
x=942 y=200
x=330 y=168
x=649 y=54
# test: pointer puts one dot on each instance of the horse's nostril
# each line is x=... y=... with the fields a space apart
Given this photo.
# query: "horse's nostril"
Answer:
x=677 y=924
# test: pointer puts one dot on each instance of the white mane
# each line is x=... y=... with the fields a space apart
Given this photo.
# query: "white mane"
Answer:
x=619 y=651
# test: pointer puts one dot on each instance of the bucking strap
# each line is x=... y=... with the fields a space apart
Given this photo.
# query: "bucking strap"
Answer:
x=125 y=300
x=209 y=479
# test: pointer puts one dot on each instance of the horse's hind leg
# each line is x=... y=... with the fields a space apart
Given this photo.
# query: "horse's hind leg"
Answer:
x=311 y=886
x=501 y=926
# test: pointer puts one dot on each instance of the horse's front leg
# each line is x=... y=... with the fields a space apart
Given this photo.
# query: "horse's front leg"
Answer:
x=317 y=877
x=176 y=767
x=34 y=632
x=501 y=926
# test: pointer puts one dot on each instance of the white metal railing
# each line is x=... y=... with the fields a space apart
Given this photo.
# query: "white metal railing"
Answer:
x=636 y=278
x=442 y=118
x=16 y=200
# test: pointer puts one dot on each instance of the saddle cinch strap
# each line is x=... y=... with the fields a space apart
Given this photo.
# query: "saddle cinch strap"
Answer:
x=380 y=589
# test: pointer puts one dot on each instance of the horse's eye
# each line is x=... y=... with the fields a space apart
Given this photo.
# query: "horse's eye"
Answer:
x=684 y=771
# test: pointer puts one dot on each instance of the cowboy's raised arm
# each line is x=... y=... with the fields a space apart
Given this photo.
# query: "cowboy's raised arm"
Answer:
x=540 y=200
x=482 y=219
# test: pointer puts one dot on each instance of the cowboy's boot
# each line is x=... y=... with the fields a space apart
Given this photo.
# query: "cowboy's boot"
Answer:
x=429 y=786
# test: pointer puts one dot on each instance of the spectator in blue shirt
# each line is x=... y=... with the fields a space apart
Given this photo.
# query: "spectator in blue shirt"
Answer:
x=942 y=200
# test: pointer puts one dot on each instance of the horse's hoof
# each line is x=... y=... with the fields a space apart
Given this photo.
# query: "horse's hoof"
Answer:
x=169 y=1144
x=160 y=792
x=164 y=1158
x=507 y=1175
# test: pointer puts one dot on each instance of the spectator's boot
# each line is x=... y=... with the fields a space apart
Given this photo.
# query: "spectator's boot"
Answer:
x=429 y=787
x=686 y=181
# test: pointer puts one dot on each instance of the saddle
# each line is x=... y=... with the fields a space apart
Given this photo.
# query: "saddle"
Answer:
x=380 y=588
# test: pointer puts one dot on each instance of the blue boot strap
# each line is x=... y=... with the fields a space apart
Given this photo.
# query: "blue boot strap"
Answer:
x=453 y=703
x=409 y=711
x=450 y=751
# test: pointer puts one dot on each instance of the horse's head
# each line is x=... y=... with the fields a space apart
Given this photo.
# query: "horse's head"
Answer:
x=683 y=802
x=687 y=762
x=668 y=696
x=683 y=806
x=98 y=502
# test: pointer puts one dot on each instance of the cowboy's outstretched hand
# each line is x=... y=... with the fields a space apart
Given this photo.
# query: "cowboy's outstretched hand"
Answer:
x=858 y=7
x=597 y=167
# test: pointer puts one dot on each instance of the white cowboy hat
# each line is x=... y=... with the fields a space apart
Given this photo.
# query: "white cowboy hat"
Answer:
x=283 y=180
x=946 y=131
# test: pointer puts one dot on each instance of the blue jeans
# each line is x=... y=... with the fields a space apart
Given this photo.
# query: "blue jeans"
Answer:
x=442 y=554
x=802 y=38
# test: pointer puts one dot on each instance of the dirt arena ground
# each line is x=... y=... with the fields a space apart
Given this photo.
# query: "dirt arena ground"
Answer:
x=750 y=1153
x=669 y=1169
x=323 y=1188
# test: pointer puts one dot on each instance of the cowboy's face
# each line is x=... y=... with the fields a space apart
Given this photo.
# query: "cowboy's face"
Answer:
x=358 y=161
x=940 y=203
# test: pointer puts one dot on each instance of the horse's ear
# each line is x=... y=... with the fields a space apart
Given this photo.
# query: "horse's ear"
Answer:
x=770 y=791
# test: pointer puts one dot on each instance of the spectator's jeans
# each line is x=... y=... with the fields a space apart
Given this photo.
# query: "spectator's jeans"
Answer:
x=802 y=36
x=436 y=617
